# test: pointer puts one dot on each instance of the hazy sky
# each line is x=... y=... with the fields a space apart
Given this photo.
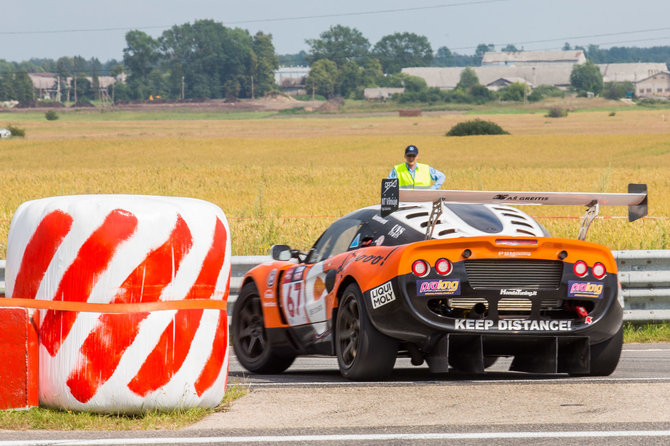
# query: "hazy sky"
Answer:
x=51 y=29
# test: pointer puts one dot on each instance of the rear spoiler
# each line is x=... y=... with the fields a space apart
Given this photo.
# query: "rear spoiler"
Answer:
x=635 y=199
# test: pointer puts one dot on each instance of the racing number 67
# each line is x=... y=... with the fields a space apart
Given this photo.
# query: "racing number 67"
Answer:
x=293 y=298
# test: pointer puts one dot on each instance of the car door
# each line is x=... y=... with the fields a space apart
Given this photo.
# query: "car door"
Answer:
x=303 y=288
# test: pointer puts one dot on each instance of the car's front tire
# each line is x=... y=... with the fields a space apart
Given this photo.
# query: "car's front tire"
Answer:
x=363 y=352
x=250 y=341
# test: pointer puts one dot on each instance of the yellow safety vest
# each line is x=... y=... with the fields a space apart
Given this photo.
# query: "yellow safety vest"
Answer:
x=421 y=180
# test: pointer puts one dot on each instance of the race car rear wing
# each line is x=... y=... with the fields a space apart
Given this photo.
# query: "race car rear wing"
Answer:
x=635 y=199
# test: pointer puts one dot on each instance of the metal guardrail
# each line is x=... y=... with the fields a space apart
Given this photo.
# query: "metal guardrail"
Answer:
x=644 y=277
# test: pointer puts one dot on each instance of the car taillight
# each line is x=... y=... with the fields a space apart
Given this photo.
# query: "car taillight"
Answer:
x=420 y=268
x=598 y=270
x=443 y=267
x=580 y=269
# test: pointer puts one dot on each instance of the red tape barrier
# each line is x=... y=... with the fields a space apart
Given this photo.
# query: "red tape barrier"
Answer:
x=86 y=307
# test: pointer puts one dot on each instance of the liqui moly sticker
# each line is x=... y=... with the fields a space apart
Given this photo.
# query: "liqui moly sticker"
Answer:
x=382 y=295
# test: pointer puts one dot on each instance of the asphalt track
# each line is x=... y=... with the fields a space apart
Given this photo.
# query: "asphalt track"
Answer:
x=312 y=404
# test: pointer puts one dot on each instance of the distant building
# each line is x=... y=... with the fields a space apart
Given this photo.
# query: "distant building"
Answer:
x=291 y=79
x=556 y=74
x=506 y=82
x=655 y=86
x=519 y=58
x=630 y=72
x=46 y=84
x=381 y=93
x=541 y=74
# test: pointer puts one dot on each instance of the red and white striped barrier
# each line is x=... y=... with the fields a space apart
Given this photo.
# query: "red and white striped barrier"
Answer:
x=133 y=252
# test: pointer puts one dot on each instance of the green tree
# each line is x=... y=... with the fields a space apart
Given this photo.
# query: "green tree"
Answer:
x=205 y=56
x=293 y=60
x=510 y=49
x=586 y=77
x=595 y=54
x=140 y=57
x=400 y=50
x=617 y=90
x=23 y=87
x=117 y=71
x=349 y=78
x=339 y=44
x=468 y=79
x=84 y=88
x=372 y=73
x=482 y=49
x=513 y=92
x=480 y=94
x=64 y=69
x=265 y=62
x=95 y=70
x=7 y=85
x=322 y=78
x=414 y=83
x=442 y=57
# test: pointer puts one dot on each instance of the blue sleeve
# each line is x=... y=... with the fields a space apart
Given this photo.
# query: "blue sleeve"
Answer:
x=437 y=177
x=392 y=174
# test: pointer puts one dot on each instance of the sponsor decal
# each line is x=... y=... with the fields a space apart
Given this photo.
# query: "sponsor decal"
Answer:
x=588 y=320
x=518 y=292
x=356 y=242
x=514 y=254
x=270 y=303
x=379 y=241
x=389 y=196
x=297 y=273
x=272 y=277
x=396 y=231
x=379 y=219
x=382 y=295
x=288 y=276
x=508 y=197
x=438 y=287
x=512 y=325
x=390 y=184
x=269 y=294
x=585 y=289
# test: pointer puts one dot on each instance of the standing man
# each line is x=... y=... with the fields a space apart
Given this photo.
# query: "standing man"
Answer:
x=413 y=175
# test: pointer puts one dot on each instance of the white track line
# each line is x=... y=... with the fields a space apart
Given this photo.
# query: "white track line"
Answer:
x=341 y=438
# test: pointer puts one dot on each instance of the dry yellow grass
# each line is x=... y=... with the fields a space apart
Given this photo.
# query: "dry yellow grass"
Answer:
x=284 y=180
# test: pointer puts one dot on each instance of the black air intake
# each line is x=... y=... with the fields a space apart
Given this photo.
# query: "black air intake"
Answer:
x=528 y=274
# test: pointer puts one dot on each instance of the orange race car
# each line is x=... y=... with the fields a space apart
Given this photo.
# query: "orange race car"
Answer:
x=453 y=278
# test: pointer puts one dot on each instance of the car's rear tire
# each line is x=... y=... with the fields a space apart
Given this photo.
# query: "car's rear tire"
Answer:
x=605 y=356
x=250 y=341
x=363 y=352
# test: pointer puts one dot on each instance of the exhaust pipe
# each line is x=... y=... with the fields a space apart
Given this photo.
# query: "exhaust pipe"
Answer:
x=478 y=311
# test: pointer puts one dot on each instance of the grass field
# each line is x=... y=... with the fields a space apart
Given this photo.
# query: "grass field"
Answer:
x=284 y=179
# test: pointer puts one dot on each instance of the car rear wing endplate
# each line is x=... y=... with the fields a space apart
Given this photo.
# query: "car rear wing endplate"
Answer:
x=635 y=199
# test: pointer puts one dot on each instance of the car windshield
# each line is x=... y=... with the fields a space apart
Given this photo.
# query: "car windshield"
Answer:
x=335 y=240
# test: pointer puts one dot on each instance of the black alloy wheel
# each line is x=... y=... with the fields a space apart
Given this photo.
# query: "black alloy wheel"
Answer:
x=250 y=341
x=363 y=352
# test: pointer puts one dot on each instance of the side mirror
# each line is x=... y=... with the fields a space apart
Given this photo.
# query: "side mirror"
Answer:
x=280 y=252
x=330 y=280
